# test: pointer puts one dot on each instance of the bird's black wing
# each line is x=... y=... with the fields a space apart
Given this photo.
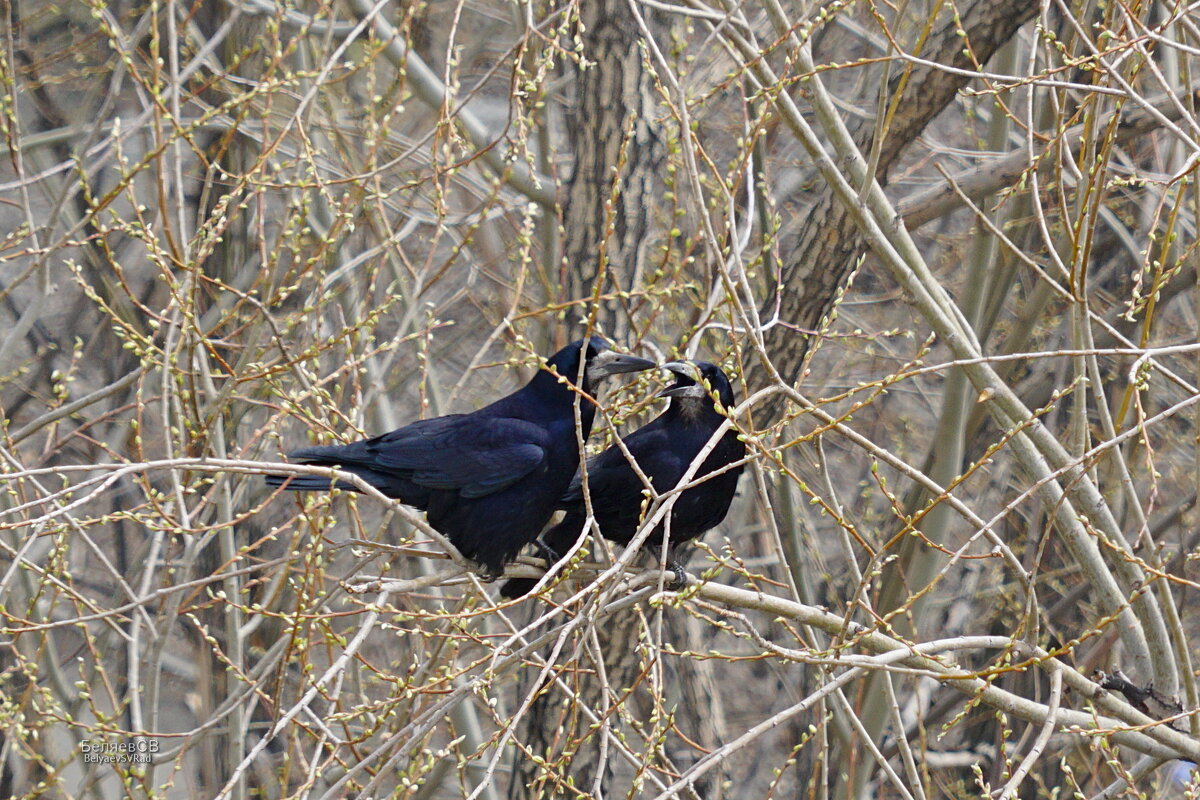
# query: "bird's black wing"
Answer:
x=616 y=492
x=612 y=482
x=474 y=456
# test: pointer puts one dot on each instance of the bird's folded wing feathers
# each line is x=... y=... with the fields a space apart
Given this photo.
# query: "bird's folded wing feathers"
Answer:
x=612 y=480
x=443 y=453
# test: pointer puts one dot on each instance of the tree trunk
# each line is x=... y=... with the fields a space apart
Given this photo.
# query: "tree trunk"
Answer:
x=618 y=155
x=827 y=246
x=608 y=234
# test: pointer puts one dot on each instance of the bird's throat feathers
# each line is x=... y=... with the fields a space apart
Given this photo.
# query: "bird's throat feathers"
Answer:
x=695 y=410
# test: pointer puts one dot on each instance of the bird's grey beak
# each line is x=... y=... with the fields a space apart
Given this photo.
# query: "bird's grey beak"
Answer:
x=612 y=363
x=693 y=390
x=683 y=368
x=685 y=371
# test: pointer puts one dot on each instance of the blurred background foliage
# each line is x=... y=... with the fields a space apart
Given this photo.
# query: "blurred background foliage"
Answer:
x=946 y=249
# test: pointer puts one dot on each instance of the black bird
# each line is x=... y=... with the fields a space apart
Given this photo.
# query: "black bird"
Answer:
x=489 y=480
x=664 y=450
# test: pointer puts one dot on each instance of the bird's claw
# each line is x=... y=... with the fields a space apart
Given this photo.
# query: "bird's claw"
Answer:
x=546 y=552
x=488 y=574
x=678 y=577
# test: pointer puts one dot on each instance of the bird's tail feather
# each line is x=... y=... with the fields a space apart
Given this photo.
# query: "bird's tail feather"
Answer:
x=514 y=588
x=331 y=454
x=306 y=483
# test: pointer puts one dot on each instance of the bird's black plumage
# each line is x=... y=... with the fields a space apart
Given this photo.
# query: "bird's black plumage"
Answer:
x=491 y=479
x=664 y=450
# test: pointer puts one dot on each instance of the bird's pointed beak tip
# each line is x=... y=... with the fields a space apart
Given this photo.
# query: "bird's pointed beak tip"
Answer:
x=615 y=363
x=691 y=390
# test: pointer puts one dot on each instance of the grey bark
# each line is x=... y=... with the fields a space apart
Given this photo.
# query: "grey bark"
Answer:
x=618 y=155
x=608 y=235
x=827 y=245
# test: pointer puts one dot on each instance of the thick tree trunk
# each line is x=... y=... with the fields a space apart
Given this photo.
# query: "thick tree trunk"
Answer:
x=618 y=155
x=608 y=236
x=827 y=246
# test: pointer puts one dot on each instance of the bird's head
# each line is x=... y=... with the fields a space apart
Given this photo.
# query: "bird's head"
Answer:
x=600 y=361
x=694 y=383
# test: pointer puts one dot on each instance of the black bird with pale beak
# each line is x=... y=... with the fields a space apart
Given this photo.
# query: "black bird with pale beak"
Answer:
x=664 y=450
x=489 y=480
